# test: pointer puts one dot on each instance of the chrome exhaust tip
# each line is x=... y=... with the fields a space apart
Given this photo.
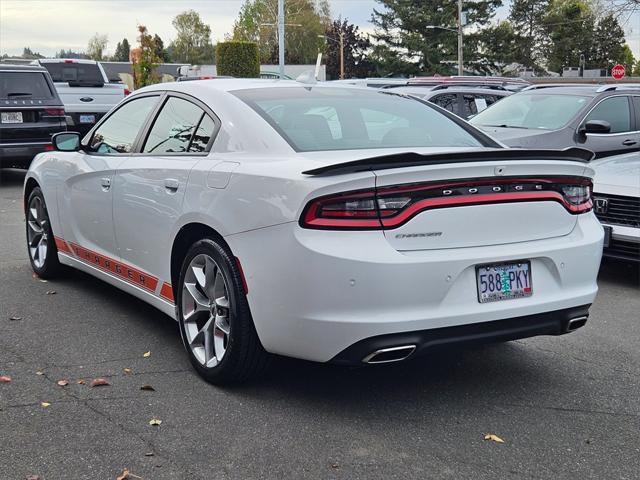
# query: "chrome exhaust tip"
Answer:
x=576 y=323
x=388 y=355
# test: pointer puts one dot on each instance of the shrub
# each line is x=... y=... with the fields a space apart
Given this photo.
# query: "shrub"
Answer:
x=238 y=59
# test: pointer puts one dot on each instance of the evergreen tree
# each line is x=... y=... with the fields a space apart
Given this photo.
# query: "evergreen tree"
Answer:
x=526 y=17
x=122 y=51
x=355 y=49
x=608 y=43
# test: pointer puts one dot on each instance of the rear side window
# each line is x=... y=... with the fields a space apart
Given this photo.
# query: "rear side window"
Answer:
x=118 y=132
x=322 y=119
x=175 y=127
x=81 y=73
x=203 y=134
x=474 y=104
x=24 y=85
x=448 y=101
x=614 y=110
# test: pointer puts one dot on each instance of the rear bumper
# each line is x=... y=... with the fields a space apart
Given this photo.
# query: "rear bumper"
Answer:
x=19 y=155
x=428 y=341
x=314 y=293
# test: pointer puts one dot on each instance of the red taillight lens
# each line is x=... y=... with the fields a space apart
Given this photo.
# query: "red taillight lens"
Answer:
x=55 y=112
x=48 y=148
x=391 y=207
x=126 y=92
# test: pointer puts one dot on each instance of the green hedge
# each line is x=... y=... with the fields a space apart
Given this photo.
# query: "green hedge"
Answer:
x=238 y=59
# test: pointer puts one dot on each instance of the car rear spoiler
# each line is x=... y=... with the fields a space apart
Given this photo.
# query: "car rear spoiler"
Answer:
x=412 y=159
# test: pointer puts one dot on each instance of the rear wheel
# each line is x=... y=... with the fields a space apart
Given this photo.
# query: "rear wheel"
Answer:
x=215 y=323
x=41 y=246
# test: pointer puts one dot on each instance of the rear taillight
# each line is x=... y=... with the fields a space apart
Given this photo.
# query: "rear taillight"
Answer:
x=126 y=92
x=391 y=207
x=54 y=112
x=48 y=148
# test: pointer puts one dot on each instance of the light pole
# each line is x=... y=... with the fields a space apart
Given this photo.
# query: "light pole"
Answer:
x=457 y=31
x=341 y=43
x=281 y=39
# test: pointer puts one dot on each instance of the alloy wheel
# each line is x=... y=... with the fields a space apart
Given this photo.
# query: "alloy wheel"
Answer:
x=206 y=310
x=37 y=235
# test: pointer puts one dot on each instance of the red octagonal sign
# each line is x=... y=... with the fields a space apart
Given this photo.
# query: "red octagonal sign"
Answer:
x=617 y=72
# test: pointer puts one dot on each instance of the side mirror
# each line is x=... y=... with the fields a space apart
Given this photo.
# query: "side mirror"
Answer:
x=66 y=141
x=596 y=126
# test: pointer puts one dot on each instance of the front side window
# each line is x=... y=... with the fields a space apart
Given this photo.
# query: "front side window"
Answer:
x=321 y=119
x=532 y=110
x=614 y=110
x=174 y=127
x=118 y=132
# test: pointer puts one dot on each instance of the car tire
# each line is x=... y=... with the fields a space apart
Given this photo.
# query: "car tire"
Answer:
x=41 y=245
x=214 y=318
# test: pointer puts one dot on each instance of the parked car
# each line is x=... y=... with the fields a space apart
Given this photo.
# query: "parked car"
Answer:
x=617 y=204
x=464 y=101
x=30 y=113
x=329 y=223
x=84 y=89
x=604 y=119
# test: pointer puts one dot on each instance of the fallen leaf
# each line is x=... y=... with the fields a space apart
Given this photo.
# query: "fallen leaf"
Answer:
x=147 y=354
x=493 y=438
x=81 y=382
x=99 y=382
x=39 y=373
x=33 y=477
x=45 y=404
x=127 y=371
x=155 y=422
x=5 y=378
x=51 y=292
x=149 y=454
x=148 y=388
x=43 y=280
x=63 y=382
x=124 y=475
x=335 y=465
x=15 y=319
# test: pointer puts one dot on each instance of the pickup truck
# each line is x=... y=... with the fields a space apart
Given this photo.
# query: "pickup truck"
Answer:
x=84 y=89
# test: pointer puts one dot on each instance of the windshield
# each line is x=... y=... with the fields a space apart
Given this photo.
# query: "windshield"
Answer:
x=319 y=119
x=532 y=110
x=21 y=85
x=74 y=72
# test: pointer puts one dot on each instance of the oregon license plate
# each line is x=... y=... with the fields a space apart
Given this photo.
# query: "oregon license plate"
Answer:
x=11 y=117
x=87 y=119
x=504 y=281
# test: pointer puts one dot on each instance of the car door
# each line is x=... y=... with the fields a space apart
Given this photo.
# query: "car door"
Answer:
x=149 y=186
x=87 y=194
x=624 y=135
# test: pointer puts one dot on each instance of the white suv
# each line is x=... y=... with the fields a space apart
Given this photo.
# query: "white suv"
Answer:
x=617 y=204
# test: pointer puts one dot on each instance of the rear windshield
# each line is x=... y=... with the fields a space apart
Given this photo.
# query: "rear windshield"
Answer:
x=74 y=72
x=320 y=119
x=24 y=85
x=531 y=110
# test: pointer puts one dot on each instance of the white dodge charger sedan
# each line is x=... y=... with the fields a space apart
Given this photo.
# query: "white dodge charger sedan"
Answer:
x=328 y=223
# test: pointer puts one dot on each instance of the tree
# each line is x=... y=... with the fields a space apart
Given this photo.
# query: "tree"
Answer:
x=526 y=17
x=356 y=46
x=305 y=21
x=28 y=53
x=627 y=59
x=122 y=51
x=608 y=43
x=193 y=40
x=405 y=44
x=238 y=59
x=570 y=25
x=145 y=60
x=160 y=51
x=498 y=45
x=96 y=47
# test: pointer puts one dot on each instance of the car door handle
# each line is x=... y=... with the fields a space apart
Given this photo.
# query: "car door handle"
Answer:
x=106 y=183
x=171 y=184
x=628 y=143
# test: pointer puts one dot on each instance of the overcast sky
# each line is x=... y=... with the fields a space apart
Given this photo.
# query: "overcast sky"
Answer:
x=46 y=26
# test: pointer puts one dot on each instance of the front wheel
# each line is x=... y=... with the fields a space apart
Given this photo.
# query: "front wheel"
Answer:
x=215 y=322
x=41 y=246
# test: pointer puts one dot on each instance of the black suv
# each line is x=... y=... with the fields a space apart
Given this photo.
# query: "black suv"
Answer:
x=601 y=118
x=30 y=112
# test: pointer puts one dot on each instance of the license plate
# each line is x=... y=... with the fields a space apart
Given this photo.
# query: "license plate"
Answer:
x=87 y=119
x=504 y=281
x=11 y=117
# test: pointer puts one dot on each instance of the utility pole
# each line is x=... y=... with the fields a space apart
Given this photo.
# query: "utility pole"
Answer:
x=460 y=61
x=281 y=39
x=341 y=53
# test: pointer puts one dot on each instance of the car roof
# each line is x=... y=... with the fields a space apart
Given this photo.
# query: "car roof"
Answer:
x=11 y=67
x=588 y=90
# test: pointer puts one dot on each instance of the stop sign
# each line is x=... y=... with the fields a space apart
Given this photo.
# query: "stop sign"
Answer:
x=617 y=72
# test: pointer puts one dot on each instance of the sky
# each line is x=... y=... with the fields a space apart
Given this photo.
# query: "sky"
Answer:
x=46 y=26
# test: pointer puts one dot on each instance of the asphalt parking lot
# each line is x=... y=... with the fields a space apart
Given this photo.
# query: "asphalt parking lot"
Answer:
x=566 y=407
